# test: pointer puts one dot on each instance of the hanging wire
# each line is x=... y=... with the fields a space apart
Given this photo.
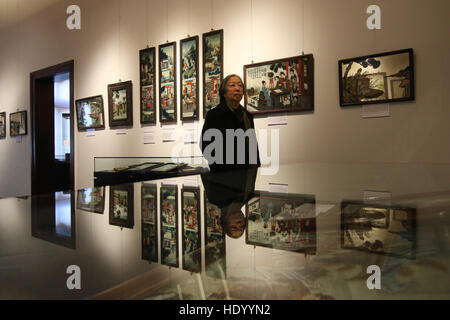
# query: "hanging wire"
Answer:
x=189 y=18
x=167 y=20
x=251 y=29
x=212 y=13
x=119 y=39
x=303 y=27
x=147 y=24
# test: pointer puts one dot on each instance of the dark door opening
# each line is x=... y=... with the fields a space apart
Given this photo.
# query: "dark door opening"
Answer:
x=52 y=129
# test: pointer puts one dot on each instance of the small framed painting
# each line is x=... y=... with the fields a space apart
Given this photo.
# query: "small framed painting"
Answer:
x=212 y=69
x=121 y=208
x=120 y=104
x=189 y=78
x=2 y=125
x=147 y=85
x=18 y=123
x=90 y=113
x=167 y=83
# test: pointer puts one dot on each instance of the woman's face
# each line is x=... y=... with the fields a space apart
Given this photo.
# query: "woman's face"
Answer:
x=234 y=90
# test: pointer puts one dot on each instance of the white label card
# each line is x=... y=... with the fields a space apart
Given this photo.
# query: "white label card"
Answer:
x=375 y=110
x=121 y=131
x=278 y=188
x=90 y=132
x=277 y=120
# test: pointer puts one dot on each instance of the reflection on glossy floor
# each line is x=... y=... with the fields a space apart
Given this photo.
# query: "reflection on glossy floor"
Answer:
x=184 y=241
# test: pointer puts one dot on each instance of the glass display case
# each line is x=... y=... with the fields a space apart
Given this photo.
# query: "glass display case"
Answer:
x=311 y=231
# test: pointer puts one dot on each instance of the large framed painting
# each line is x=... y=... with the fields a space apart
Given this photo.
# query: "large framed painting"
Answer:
x=167 y=83
x=90 y=113
x=378 y=78
x=120 y=104
x=215 y=249
x=18 y=123
x=212 y=69
x=189 y=78
x=147 y=73
x=91 y=199
x=386 y=230
x=121 y=205
x=2 y=125
x=190 y=203
x=284 y=85
x=149 y=198
x=169 y=225
x=282 y=221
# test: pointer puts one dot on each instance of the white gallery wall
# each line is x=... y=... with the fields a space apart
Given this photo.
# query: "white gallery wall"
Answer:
x=106 y=49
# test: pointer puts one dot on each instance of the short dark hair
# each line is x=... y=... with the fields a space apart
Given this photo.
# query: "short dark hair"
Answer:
x=223 y=86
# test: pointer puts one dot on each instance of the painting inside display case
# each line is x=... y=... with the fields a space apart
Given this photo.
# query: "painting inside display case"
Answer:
x=169 y=225
x=379 y=229
x=282 y=221
x=149 y=197
x=190 y=199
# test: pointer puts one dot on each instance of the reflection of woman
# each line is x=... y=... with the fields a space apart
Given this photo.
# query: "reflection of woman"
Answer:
x=230 y=191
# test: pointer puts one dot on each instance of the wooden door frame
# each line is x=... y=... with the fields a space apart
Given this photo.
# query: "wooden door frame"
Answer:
x=65 y=67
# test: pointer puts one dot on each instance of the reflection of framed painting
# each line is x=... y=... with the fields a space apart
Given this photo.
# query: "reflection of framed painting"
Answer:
x=169 y=225
x=121 y=205
x=215 y=257
x=91 y=199
x=18 y=123
x=284 y=85
x=378 y=78
x=167 y=83
x=190 y=203
x=149 y=196
x=212 y=69
x=90 y=113
x=120 y=104
x=189 y=78
x=386 y=230
x=2 y=125
x=147 y=85
x=282 y=221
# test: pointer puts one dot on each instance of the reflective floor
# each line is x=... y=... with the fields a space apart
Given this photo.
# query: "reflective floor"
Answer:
x=311 y=231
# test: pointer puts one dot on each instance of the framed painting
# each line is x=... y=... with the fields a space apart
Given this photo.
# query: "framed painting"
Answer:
x=189 y=78
x=18 y=123
x=212 y=69
x=91 y=199
x=190 y=203
x=121 y=205
x=120 y=104
x=282 y=221
x=215 y=250
x=149 y=196
x=386 y=230
x=167 y=83
x=378 y=78
x=2 y=125
x=169 y=225
x=90 y=113
x=147 y=85
x=284 y=85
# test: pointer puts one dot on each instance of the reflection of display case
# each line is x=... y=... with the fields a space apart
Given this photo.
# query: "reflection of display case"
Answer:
x=118 y=170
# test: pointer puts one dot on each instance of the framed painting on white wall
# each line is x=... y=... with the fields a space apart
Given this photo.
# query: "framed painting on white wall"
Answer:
x=212 y=69
x=378 y=78
x=147 y=69
x=2 y=125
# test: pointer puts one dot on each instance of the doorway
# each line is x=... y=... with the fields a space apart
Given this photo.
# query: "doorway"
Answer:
x=52 y=129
